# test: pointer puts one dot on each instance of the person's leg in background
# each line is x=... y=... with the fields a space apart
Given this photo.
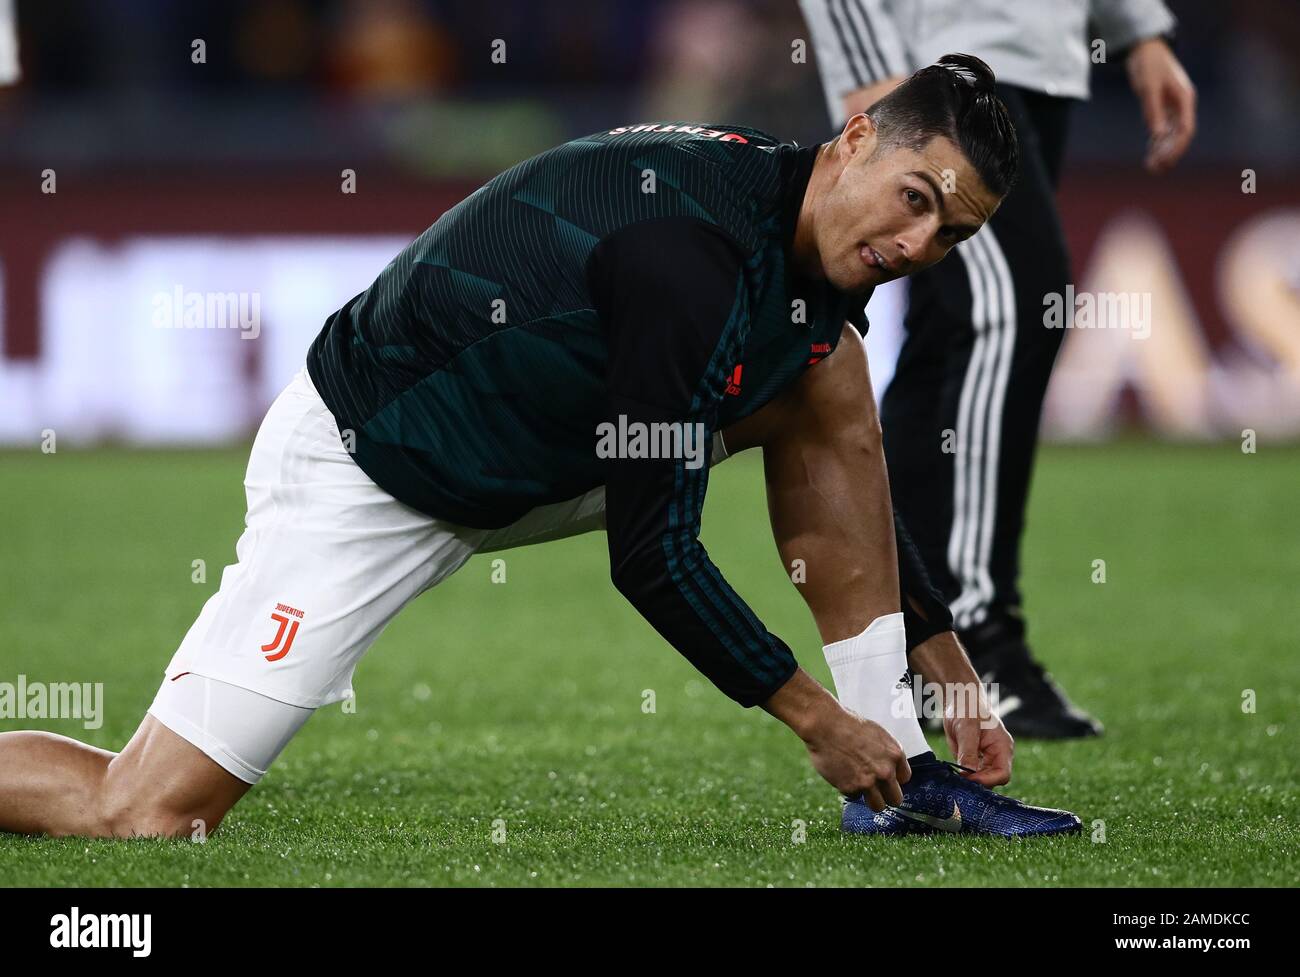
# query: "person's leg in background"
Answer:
x=962 y=412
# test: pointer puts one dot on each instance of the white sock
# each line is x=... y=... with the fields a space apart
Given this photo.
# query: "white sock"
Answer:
x=867 y=672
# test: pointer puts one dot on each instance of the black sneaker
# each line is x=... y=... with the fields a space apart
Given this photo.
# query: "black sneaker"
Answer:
x=1029 y=703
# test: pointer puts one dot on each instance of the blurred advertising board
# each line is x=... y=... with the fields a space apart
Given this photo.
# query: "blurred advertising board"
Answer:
x=173 y=313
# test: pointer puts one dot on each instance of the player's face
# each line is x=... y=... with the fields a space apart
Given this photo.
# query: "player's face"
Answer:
x=894 y=211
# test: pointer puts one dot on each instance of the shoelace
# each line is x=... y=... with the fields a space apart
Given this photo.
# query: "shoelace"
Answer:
x=952 y=767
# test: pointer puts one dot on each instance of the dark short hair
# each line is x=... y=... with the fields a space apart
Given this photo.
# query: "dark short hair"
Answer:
x=954 y=97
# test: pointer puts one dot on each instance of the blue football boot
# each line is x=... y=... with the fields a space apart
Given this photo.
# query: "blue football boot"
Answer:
x=939 y=799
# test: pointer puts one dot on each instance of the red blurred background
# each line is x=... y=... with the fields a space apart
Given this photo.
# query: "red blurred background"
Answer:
x=131 y=170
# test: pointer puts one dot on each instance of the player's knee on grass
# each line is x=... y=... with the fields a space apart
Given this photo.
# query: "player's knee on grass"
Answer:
x=130 y=814
x=162 y=786
x=173 y=810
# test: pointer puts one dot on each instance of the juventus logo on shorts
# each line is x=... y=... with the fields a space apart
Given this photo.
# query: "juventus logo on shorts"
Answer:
x=283 y=640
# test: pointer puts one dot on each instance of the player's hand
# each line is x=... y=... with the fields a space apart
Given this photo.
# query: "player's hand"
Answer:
x=859 y=758
x=1168 y=100
x=861 y=99
x=855 y=756
x=976 y=735
x=982 y=744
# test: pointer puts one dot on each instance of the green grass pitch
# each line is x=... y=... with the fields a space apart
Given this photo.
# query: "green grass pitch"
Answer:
x=518 y=705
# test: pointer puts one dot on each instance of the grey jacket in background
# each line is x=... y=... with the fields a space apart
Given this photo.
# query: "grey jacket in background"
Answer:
x=1044 y=45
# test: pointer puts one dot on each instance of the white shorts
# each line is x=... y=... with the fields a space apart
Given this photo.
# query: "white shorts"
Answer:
x=243 y=731
x=327 y=558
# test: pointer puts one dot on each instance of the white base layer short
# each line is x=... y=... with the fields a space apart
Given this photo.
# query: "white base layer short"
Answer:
x=327 y=558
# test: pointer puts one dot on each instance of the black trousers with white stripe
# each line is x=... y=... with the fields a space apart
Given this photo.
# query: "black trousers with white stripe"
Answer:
x=961 y=414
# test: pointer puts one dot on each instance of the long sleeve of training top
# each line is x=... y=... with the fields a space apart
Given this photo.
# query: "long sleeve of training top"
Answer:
x=671 y=293
x=925 y=613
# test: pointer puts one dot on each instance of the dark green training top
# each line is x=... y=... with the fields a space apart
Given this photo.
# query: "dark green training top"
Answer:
x=638 y=275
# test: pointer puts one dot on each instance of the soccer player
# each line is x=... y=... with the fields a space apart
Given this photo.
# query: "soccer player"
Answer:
x=507 y=380
x=961 y=413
